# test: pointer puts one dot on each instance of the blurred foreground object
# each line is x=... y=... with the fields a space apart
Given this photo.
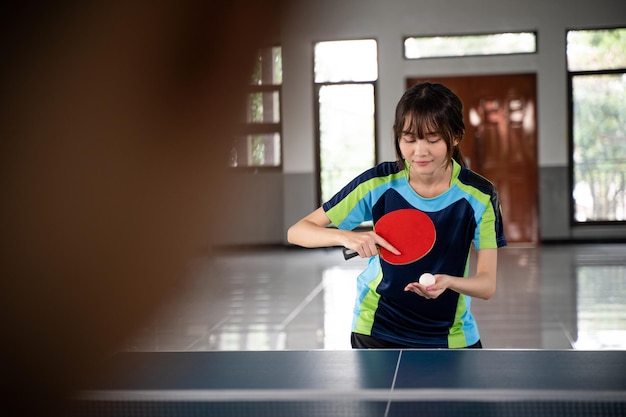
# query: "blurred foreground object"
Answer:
x=116 y=119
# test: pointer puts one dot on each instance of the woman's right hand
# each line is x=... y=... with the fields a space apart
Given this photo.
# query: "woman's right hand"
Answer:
x=312 y=232
x=366 y=244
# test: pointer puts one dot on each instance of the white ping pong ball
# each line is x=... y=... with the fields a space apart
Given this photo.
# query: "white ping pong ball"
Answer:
x=427 y=279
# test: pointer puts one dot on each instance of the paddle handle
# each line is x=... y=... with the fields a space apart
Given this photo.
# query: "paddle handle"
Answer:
x=349 y=253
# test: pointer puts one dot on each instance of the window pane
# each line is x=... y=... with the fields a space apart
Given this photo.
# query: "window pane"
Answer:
x=277 y=67
x=268 y=69
x=347 y=134
x=354 y=60
x=599 y=127
x=590 y=50
x=468 y=45
x=256 y=150
x=264 y=107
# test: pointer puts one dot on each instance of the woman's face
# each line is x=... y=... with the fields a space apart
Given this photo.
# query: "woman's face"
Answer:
x=426 y=155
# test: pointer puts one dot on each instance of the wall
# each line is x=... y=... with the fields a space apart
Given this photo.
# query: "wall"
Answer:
x=252 y=213
x=388 y=22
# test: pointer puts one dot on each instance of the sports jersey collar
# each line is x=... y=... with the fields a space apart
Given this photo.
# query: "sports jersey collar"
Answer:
x=456 y=170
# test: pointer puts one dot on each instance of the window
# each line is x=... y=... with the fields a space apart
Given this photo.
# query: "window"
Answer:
x=259 y=142
x=345 y=84
x=419 y=47
x=596 y=62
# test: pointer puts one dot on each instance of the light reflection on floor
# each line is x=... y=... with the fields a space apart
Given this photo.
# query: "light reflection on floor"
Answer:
x=601 y=307
x=339 y=286
x=548 y=297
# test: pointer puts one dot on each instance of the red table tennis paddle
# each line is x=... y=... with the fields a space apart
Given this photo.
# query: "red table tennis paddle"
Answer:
x=410 y=231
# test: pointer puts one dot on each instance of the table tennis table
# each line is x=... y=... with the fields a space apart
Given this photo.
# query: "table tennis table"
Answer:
x=363 y=383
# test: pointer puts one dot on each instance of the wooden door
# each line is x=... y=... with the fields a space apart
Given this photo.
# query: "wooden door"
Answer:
x=500 y=142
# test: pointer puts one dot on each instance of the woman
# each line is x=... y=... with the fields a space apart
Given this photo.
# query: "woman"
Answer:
x=393 y=310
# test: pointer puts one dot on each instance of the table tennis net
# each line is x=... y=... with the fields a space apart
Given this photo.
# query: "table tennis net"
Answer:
x=349 y=408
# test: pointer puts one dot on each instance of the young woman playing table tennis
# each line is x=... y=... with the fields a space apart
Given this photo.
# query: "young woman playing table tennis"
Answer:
x=454 y=208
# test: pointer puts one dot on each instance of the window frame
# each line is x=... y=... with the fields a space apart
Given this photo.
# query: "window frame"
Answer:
x=254 y=128
x=461 y=35
x=317 y=85
x=570 y=127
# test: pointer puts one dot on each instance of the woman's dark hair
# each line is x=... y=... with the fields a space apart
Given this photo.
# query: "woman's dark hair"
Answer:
x=430 y=107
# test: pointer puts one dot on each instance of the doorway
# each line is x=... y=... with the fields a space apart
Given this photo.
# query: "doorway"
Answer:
x=500 y=142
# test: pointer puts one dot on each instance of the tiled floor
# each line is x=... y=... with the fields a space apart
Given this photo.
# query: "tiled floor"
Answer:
x=548 y=297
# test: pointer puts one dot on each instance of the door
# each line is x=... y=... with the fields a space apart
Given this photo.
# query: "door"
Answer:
x=500 y=142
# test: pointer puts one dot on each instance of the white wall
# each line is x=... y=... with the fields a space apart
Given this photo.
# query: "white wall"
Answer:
x=389 y=21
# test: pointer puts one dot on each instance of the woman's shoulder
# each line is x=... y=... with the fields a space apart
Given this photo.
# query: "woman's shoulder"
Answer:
x=387 y=168
x=383 y=169
x=476 y=180
x=374 y=177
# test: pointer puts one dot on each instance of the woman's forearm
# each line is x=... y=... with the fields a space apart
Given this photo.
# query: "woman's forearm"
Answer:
x=479 y=286
x=483 y=284
x=310 y=235
x=312 y=231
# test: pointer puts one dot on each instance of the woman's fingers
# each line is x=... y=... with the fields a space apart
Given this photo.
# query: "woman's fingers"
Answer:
x=365 y=243
x=382 y=242
x=430 y=291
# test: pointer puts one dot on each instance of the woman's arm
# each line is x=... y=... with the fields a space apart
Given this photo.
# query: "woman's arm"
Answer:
x=482 y=285
x=312 y=231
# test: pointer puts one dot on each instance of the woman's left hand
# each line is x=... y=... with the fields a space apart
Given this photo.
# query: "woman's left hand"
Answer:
x=431 y=291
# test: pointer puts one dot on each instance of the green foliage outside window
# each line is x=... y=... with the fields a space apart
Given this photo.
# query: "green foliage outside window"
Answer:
x=258 y=151
x=599 y=123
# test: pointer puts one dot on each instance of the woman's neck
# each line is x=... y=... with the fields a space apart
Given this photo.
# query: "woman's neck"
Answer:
x=429 y=186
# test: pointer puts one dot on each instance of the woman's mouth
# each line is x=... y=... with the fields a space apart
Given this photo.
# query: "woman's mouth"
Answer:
x=421 y=163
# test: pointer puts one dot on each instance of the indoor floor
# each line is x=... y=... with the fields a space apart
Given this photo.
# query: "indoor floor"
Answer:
x=551 y=296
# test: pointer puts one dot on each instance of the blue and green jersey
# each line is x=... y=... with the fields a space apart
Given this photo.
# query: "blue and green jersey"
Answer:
x=467 y=213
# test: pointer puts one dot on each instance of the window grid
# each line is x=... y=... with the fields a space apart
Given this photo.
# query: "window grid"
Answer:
x=258 y=144
x=345 y=74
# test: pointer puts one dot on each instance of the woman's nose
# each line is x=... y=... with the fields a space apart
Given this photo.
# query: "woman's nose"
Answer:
x=420 y=147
